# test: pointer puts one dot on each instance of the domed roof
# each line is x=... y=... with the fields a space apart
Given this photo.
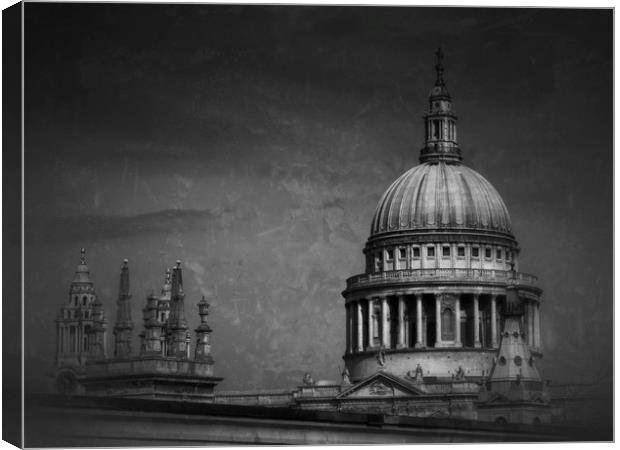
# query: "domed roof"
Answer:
x=441 y=196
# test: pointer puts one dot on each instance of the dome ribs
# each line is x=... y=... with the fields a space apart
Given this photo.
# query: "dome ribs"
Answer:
x=457 y=204
x=429 y=199
x=383 y=219
x=446 y=191
x=376 y=220
x=480 y=202
x=416 y=218
x=390 y=201
x=470 y=215
x=441 y=196
x=399 y=196
x=491 y=220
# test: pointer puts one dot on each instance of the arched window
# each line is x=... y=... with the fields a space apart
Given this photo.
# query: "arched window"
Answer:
x=84 y=300
x=447 y=325
x=536 y=421
x=501 y=420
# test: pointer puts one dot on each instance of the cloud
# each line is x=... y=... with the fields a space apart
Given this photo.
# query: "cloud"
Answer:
x=115 y=226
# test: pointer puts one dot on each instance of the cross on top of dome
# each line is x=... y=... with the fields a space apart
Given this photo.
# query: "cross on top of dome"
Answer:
x=439 y=68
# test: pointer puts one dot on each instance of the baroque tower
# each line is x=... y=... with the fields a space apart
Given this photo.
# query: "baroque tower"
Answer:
x=441 y=259
x=80 y=329
x=79 y=321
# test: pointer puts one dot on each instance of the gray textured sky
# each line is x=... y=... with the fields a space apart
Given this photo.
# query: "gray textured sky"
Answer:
x=254 y=142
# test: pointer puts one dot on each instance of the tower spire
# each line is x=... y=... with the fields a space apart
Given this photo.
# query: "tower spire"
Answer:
x=177 y=324
x=124 y=325
x=440 y=130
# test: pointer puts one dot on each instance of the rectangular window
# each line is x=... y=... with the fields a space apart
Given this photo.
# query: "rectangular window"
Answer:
x=430 y=252
x=402 y=252
x=507 y=256
x=390 y=254
x=416 y=252
x=460 y=252
x=475 y=252
x=445 y=251
x=498 y=254
x=487 y=253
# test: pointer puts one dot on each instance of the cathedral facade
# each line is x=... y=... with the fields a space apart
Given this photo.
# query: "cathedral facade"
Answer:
x=442 y=323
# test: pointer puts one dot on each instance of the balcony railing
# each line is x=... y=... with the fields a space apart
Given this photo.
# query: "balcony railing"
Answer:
x=430 y=275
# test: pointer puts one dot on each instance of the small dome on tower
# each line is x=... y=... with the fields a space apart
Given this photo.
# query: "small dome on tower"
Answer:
x=82 y=274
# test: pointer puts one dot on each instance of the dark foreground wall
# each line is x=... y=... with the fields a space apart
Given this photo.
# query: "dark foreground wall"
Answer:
x=84 y=421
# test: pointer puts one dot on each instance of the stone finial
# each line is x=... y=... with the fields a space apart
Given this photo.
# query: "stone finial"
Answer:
x=308 y=380
x=83 y=256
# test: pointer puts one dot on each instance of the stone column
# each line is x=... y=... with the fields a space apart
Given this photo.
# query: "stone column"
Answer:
x=493 y=321
x=437 y=321
x=401 y=321
x=360 y=326
x=347 y=312
x=371 y=303
x=457 y=318
x=385 y=325
x=477 y=343
x=536 y=325
x=418 y=321
x=528 y=322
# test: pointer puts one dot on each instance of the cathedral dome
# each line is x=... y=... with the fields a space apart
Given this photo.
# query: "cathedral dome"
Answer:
x=441 y=196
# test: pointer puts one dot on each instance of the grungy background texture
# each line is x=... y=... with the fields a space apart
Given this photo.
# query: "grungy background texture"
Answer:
x=253 y=143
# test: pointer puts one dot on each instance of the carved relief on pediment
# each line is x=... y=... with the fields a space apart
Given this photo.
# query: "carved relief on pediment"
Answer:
x=380 y=388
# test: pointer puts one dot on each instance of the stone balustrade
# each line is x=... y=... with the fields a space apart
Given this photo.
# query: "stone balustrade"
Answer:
x=440 y=274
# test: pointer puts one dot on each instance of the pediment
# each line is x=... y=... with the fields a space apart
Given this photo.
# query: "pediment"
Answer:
x=379 y=385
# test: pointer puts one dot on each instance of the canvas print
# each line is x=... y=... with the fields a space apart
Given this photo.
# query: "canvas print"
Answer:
x=289 y=224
